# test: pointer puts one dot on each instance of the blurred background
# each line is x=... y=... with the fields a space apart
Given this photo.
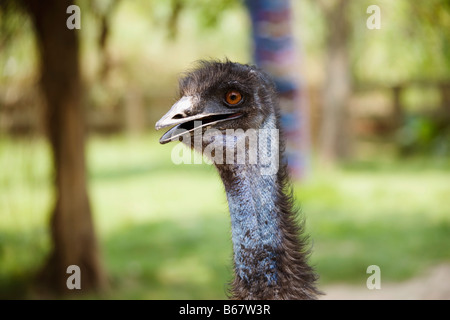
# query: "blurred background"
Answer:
x=83 y=179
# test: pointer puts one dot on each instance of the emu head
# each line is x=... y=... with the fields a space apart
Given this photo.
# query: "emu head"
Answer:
x=217 y=97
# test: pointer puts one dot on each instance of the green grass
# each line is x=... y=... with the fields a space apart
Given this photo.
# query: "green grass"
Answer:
x=164 y=229
x=397 y=220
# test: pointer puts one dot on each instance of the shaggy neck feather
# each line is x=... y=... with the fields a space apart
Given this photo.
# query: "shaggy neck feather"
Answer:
x=255 y=224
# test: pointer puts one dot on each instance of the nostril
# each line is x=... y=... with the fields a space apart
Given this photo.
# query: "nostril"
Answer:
x=178 y=116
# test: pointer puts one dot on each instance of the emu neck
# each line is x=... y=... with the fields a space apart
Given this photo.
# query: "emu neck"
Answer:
x=269 y=259
x=255 y=226
x=255 y=222
x=269 y=251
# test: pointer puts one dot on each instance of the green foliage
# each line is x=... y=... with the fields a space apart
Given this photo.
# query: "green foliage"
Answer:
x=421 y=134
x=413 y=42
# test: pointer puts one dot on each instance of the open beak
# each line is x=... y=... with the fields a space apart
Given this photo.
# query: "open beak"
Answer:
x=181 y=117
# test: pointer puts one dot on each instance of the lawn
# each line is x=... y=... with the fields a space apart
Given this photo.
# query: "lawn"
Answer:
x=164 y=229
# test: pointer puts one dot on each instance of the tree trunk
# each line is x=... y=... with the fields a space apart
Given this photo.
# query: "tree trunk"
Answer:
x=335 y=132
x=72 y=231
x=445 y=99
x=397 y=112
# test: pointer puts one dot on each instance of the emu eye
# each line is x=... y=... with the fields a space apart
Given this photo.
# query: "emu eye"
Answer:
x=233 y=97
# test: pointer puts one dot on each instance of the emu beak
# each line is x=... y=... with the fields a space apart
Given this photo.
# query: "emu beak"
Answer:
x=185 y=119
x=176 y=114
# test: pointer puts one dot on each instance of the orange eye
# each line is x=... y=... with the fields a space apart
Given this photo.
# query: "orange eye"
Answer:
x=233 y=97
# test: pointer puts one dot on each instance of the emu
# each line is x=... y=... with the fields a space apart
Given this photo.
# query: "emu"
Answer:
x=270 y=248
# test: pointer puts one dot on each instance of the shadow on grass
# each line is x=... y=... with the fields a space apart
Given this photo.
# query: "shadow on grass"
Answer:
x=188 y=259
x=166 y=259
x=21 y=256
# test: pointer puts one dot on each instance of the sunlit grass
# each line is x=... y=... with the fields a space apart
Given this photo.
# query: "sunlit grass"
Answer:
x=165 y=232
x=396 y=220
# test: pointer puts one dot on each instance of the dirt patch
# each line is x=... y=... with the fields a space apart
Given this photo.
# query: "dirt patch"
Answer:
x=433 y=285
